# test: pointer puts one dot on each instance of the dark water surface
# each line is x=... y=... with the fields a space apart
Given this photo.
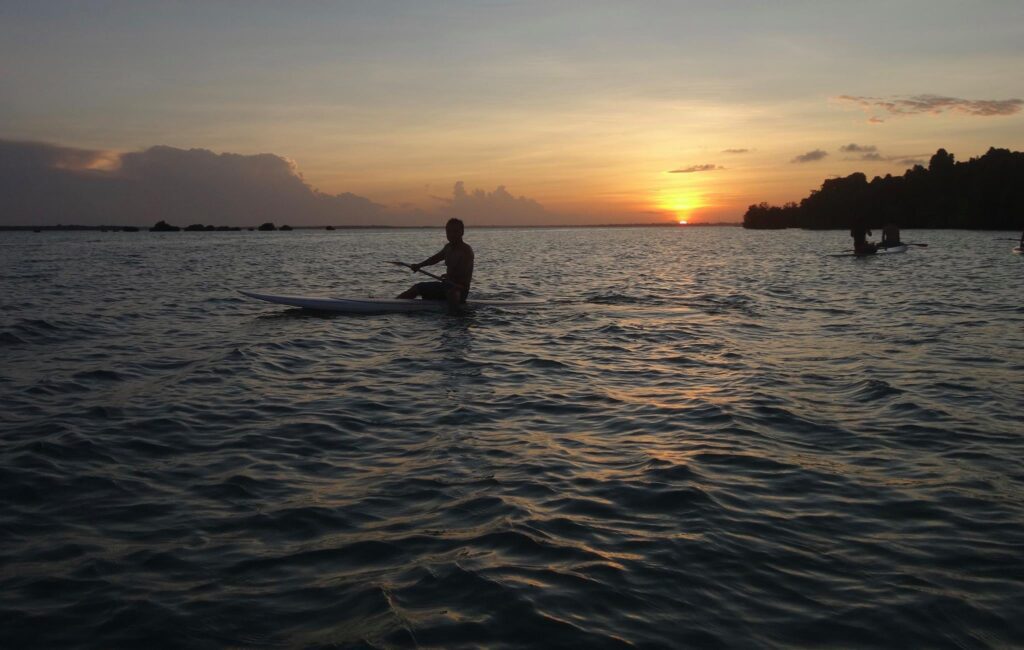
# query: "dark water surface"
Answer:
x=707 y=437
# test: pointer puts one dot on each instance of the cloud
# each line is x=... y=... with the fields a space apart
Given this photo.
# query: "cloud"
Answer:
x=736 y=150
x=857 y=148
x=482 y=208
x=15 y=154
x=870 y=153
x=43 y=183
x=810 y=156
x=934 y=105
x=695 y=168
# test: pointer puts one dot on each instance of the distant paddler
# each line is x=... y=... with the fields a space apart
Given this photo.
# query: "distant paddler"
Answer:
x=860 y=234
x=454 y=285
x=891 y=236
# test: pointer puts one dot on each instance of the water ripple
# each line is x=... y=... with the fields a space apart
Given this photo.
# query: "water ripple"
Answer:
x=701 y=440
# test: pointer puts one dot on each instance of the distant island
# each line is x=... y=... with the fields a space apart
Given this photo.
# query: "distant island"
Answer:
x=985 y=193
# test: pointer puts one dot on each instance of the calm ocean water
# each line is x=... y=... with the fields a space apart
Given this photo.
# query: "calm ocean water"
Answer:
x=707 y=437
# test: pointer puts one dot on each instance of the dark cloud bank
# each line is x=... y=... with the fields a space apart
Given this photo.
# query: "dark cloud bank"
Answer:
x=493 y=208
x=46 y=184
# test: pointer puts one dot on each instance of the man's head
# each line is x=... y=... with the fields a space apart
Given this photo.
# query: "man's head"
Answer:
x=454 y=229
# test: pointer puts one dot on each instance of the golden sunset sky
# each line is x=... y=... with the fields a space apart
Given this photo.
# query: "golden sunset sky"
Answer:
x=600 y=112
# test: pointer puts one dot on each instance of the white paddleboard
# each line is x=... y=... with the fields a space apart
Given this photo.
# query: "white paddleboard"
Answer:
x=379 y=305
x=902 y=248
x=1018 y=250
x=893 y=249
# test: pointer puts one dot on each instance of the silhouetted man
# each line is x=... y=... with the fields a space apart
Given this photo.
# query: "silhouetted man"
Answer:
x=890 y=235
x=458 y=257
x=860 y=234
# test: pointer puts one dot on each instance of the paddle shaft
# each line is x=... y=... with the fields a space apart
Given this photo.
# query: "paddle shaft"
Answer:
x=428 y=273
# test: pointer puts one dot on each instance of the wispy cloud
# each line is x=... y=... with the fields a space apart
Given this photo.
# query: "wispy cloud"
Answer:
x=867 y=152
x=934 y=105
x=736 y=150
x=870 y=153
x=858 y=148
x=810 y=156
x=695 y=168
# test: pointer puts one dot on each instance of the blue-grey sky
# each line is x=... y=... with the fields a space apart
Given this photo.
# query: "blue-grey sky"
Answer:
x=584 y=107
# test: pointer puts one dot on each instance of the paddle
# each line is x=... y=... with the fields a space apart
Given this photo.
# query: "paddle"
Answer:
x=436 y=277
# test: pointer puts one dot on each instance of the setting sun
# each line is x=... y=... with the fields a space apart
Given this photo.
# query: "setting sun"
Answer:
x=681 y=203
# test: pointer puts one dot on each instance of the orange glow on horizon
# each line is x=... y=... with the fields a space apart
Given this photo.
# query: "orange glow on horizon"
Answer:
x=681 y=203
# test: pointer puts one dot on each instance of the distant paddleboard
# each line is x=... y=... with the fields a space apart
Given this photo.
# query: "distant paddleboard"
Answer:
x=893 y=249
x=1018 y=250
x=379 y=305
x=902 y=248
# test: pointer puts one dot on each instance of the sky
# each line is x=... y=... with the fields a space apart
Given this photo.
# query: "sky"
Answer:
x=498 y=112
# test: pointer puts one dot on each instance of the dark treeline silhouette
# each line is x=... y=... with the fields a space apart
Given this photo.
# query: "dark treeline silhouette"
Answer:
x=983 y=193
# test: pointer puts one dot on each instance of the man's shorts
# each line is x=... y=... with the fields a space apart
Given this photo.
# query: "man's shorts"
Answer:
x=435 y=291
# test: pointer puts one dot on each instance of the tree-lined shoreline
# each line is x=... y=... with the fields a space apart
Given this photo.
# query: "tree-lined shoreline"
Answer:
x=984 y=193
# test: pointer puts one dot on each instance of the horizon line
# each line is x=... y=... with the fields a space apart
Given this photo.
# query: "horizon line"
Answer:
x=649 y=224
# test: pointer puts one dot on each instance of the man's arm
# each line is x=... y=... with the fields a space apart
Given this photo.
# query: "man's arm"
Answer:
x=430 y=261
